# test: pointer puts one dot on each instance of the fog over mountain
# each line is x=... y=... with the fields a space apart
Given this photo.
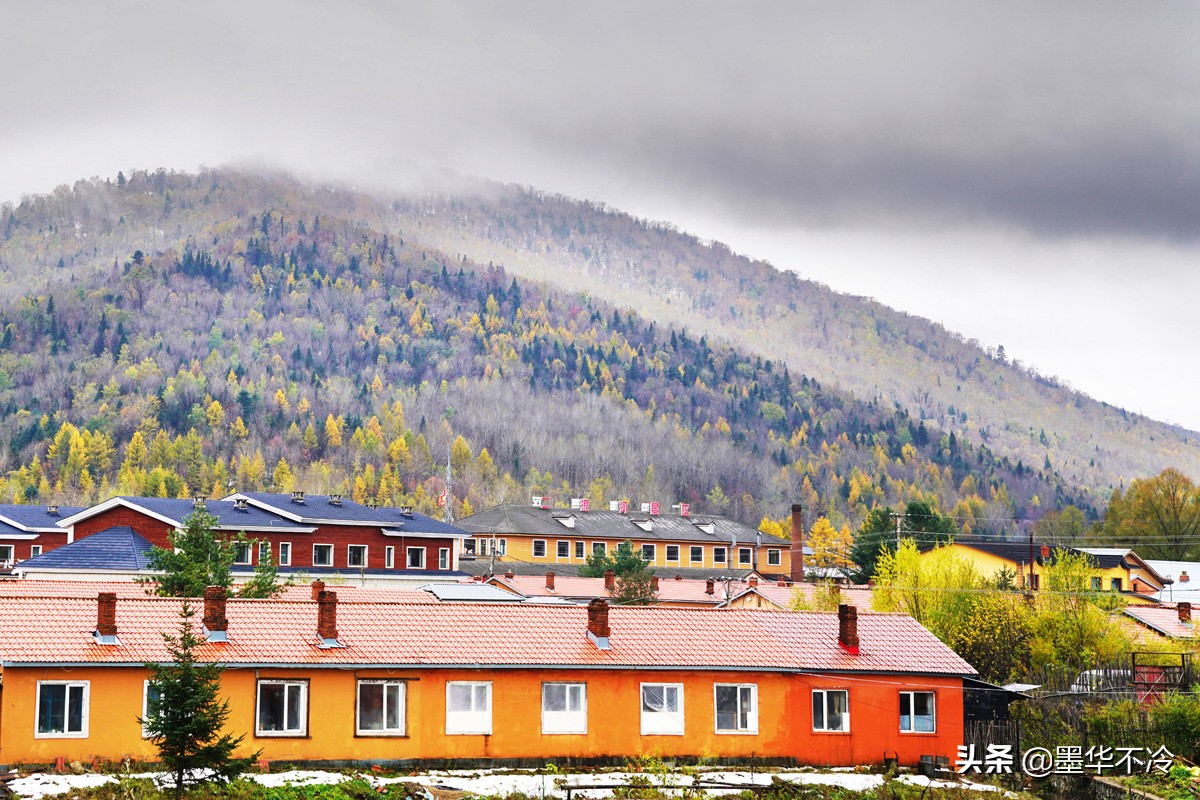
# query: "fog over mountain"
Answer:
x=1027 y=175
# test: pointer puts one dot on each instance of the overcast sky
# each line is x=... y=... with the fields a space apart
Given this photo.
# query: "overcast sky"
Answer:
x=1025 y=173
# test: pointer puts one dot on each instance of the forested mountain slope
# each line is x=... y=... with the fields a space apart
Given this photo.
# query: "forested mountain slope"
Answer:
x=854 y=343
x=178 y=334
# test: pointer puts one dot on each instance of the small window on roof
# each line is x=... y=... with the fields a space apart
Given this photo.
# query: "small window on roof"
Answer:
x=707 y=527
x=568 y=520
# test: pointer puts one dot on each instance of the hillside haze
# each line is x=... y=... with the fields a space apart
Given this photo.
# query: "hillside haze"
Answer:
x=181 y=334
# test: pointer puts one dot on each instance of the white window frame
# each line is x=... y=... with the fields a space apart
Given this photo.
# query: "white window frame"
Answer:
x=570 y=720
x=389 y=557
x=745 y=555
x=285 y=554
x=580 y=549
x=264 y=551
x=723 y=552
x=11 y=550
x=414 y=563
x=444 y=558
x=600 y=548
x=559 y=546
x=35 y=550
x=662 y=723
x=533 y=548
x=692 y=554
x=366 y=555
x=329 y=563
x=823 y=694
x=302 y=729
x=240 y=548
x=774 y=557
x=145 y=707
x=912 y=716
x=64 y=733
x=402 y=729
x=751 y=714
x=474 y=721
x=653 y=553
x=674 y=560
x=502 y=547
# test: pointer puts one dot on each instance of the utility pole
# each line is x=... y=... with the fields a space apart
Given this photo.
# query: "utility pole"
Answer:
x=448 y=509
x=898 y=516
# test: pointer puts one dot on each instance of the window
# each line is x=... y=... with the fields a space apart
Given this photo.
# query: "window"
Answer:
x=745 y=555
x=356 y=555
x=468 y=707
x=718 y=555
x=380 y=708
x=62 y=708
x=736 y=707
x=774 y=557
x=599 y=549
x=264 y=552
x=1033 y=581
x=322 y=555
x=831 y=710
x=1116 y=584
x=416 y=558
x=501 y=547
x=1096 y=584
x=562 y=549
x=662 y=708
x=539 y=548
x=444 y=558
x=697 y=554
x=282 y=708
x=649 y=553
x=241 y=552
x=564 y=708
x=917 y=712
x=389 y=557
x=35 y=550
x=579 y=549
x=672 y=554
x=285 y=553
x=149 y=695
x=6 y=553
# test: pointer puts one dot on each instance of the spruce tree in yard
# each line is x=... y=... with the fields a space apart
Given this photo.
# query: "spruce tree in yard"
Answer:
x=185 y=713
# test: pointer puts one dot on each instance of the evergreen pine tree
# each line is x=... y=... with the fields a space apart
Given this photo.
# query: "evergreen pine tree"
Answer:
x=185 y=713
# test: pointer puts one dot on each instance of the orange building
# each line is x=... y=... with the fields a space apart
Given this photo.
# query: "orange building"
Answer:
x=412 y=682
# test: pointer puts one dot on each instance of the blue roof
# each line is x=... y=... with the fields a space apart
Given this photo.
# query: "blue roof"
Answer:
x=179 y=509
x=316 y=507
x=37 y=516
x=114 y=548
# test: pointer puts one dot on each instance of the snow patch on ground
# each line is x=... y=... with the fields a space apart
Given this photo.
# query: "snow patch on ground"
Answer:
x=502 y=782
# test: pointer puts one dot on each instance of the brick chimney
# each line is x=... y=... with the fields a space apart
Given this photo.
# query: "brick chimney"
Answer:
x=797 y=543
x=317 y=588
x=1183 y=577
x=710 y=586
x=597 y=629
x=610 y=580
x=654 y=584
x=550 y=581
x=753 y=581
x=509 y=574
x=848 y=629
x=327 y=615
x=106 y=614
x=1045 y=553
x=1185 y=613
x=215 y=621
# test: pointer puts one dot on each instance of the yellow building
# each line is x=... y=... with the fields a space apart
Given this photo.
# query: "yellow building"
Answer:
x=539 y=534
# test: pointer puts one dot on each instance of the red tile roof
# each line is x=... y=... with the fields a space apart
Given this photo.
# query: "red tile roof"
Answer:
x=1164 y=620
x=783 y=596
x=685 y=590
x=262 y=632
x=347 y=593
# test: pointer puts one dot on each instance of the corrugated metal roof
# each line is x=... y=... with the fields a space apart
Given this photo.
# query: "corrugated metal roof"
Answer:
x=477 y=635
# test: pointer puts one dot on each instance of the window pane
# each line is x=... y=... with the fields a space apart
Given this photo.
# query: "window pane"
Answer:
x=745 y=707
x=393 y=705
x=293 y=707
x=564 y=549
x=270 y=706
x=370 y=706
x=727 y=697
x=480 y=697
x=74 y=709
x=555 y=697
x=460 y=697
x=836 y=711
x=923 y=712
x=652 y=698
x=579 y=549
x=906 y=711
x=818 y=711
x=53 y=711
x=671 y=693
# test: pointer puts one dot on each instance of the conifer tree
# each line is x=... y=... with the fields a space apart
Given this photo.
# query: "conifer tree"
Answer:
x=199 y=557
x=185 y=713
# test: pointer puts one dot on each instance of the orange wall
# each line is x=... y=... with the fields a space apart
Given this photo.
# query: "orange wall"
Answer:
x=519 y=547
x=784 y=725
